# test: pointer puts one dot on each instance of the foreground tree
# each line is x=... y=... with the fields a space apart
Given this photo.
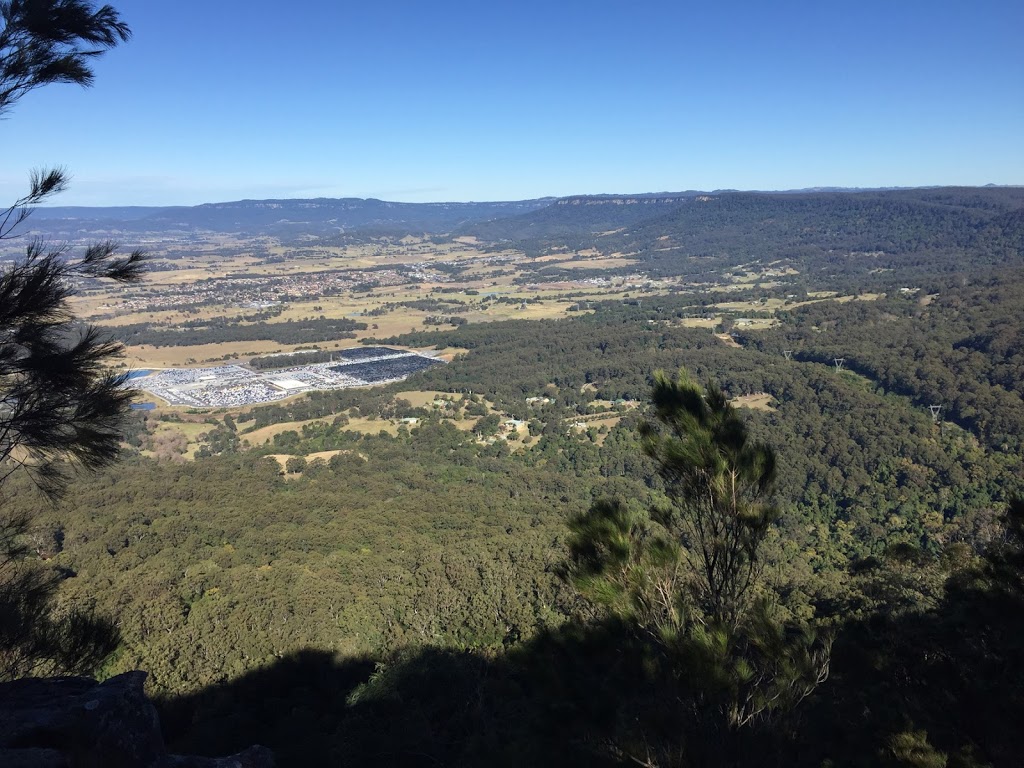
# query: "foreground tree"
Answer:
x=719 y=482
x=60 y=404
x=688 y=577
x=52 y=41
x=58 y=398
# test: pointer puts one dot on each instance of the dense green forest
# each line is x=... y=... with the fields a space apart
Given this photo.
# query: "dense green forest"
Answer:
x=960 y=348
x=847 y=239
x=406 y=600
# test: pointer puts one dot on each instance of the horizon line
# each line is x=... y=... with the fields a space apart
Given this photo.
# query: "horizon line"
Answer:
x=680 y=193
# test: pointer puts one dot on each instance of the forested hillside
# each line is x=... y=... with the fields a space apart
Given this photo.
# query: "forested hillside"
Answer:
x=918 y=233
x=960 y=349
x=442 y=553
x=291 y=217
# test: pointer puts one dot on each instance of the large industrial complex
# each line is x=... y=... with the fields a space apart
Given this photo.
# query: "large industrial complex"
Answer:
x=234 y=385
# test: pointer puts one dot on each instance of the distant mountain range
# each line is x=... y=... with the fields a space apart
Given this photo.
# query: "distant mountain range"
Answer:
x=753 y=223
x=576 y=217
x=318 y=216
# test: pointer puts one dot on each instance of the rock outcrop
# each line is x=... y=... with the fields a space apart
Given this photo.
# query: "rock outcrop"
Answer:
x=75 y=722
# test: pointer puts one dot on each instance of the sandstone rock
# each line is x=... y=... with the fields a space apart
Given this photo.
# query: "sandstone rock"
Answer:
x=32 y=758
x=253 y=757
x=75 y=722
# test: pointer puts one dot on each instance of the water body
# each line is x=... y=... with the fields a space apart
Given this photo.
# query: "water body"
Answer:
x=138 y=374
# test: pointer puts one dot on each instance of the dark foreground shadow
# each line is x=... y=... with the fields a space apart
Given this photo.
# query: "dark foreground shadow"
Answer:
x=935 y=688
x=926 y=691
x=551 y=702
x=295 y=707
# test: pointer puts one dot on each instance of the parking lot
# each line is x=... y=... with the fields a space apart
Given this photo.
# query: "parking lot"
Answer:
x=234 y=385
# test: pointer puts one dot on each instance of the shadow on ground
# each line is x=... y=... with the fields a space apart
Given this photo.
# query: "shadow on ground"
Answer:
x=544 y=704
x=918 y=688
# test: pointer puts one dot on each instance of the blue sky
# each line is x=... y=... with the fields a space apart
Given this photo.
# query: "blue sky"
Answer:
x=418 y=101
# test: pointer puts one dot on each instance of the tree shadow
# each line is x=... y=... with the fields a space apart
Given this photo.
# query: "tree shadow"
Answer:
x=936 y=687
x=548 y=702
x=939 y=686
x=294 y=706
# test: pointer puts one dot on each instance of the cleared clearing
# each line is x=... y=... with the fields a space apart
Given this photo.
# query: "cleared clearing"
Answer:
x=370 y=426
x=758 y=401
x=699 y=322
x=146 y=356
x=594 y=263
x=449 y=353
x=426 y=398
x=266 y=434
x=282 y=458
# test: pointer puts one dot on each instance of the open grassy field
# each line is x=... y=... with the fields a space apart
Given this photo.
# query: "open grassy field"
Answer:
x=699 y=322
x=608 y=263
x=282 y=459
x=758 y=401
x=202 y=354
x=767 y=305
x=424 y=399
x=371 y=426
x=449 y=353
x=264 y=435
x=833 y=296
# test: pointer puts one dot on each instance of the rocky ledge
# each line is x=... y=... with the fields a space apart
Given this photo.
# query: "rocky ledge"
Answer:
x=75 y=722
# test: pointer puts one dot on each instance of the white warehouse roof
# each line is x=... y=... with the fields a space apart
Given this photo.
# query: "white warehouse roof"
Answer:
x=287 y=384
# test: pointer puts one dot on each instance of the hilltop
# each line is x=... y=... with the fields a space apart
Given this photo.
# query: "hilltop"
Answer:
x=703 y=223
x=280 y=217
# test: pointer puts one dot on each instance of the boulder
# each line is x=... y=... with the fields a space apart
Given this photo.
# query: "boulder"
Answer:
x=75 y=722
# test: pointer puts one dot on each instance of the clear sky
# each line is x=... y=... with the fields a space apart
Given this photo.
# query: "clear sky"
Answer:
x=416 y=100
